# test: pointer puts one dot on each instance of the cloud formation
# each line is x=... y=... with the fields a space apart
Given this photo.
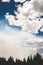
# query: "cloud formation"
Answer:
x=20 y=1
x=27 y=17
x=38 y=5
x=5 y=0
x=13 y=44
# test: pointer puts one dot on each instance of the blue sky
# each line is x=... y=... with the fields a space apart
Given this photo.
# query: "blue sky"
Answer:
x=8 y=7
x=21 y=27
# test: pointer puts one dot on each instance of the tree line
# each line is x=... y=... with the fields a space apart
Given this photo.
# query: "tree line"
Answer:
x=35 y=61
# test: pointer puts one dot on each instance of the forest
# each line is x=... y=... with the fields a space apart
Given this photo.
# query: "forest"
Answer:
x=37 y=60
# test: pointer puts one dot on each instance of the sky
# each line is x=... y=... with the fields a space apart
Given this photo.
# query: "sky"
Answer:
x=21 y=28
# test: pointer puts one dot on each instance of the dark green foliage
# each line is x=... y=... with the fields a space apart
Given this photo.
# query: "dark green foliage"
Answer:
x=35 y=61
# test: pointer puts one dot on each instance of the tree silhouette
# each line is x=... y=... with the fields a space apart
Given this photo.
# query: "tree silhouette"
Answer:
x=35 y=61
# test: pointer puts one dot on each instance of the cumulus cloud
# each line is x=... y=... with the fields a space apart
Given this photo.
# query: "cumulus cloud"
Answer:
x=41 y=29
x=38 y=5
x=20 y=1
x=27 y=16
x=5 y=0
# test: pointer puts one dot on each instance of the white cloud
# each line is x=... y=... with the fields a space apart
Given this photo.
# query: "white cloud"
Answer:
x=19 y=1
x=14 y=0
x=41 y=29
x=38 y=6
x=25 y=23
x=25 y=12
x=18 y=45
x=11 y=45
x=5 y=0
